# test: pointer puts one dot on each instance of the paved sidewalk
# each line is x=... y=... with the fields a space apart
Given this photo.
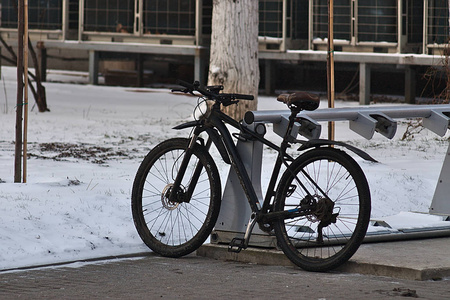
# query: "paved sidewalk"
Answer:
x=194 y=277
x=197 y=277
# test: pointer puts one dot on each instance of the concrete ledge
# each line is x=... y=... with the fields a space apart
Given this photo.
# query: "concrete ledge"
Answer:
x=425 y=259
x=250 y=255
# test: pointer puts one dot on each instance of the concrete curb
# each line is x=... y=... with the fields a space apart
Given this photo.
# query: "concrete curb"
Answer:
x=425 y=259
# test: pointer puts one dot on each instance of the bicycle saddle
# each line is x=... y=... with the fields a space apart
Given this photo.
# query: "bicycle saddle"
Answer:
x=300 y=100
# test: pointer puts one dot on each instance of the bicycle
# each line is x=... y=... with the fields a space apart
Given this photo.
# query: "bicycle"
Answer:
x=318 y=209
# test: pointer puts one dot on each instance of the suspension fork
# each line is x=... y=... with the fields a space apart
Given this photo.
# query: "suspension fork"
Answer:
x=196 y=175
x=173 y=197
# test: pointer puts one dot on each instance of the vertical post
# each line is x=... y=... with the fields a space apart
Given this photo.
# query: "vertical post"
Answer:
x=330 y=66
x=137 y=17
x=354 y=21
x=410 y=85
x=93 y=67
x=140 y=70
x=364 y=84
x=268 y=64
x=19 y=107
x=425 y=27
x=65 y=19
x=310 y=24
x=198 y=22
x=42 y=60
x=25 y=88
x=80 y=20
x=284 y=19
x=400 y=16
x=199 y=66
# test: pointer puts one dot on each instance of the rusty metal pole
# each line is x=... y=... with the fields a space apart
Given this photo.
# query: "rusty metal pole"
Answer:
x=330 y=67
x=19 y=106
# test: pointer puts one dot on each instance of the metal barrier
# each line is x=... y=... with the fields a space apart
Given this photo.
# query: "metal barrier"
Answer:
x=365 y=121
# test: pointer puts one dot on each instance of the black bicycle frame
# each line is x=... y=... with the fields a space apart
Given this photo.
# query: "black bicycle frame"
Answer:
x=224 y=140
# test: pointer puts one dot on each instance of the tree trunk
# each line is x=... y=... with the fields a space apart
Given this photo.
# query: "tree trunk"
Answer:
x=234 y=51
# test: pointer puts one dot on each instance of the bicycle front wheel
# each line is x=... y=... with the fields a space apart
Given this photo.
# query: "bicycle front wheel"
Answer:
x=329 y=191
x=170 y=228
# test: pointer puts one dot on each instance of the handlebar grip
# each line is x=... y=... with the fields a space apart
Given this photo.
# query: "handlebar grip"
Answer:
x=244 y=97
x=190 y=86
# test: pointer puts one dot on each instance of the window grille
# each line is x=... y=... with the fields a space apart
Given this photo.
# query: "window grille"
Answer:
x=109 y=15
x=207 y=16
x=42 y=14
x=169 y=17
x=414 y=13
x=73 y=14
x=438 y=27
x=270 y=18
x=300 y=21
x=342 y=19
x=377 y=20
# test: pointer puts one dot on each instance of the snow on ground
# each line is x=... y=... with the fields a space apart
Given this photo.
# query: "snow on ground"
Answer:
x=77 y=206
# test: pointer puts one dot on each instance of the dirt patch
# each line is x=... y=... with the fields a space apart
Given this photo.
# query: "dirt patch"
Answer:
x=67 y=152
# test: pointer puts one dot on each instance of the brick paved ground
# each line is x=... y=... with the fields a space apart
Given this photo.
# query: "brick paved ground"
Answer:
x=193 y=277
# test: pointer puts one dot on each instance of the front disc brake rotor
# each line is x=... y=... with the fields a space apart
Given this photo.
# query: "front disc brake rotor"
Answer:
x=169 y=205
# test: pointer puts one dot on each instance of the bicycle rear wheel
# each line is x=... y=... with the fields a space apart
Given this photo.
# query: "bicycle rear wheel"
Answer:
x=170 y=228
x=335 y=214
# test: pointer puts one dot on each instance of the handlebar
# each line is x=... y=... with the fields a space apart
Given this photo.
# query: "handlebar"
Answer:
x=212 y=93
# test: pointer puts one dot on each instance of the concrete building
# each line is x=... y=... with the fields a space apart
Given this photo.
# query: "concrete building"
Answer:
x=169 y=39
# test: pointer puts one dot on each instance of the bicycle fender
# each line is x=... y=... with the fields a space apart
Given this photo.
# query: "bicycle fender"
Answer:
x=213 y=135
x=187 y=125
x=322 y=142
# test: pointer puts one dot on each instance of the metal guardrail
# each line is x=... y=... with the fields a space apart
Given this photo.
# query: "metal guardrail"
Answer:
x=363 y=120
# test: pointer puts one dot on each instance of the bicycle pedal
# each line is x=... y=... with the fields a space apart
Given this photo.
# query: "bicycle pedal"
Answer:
x=236 y=245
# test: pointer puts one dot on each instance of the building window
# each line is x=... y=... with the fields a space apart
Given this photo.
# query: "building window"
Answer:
x=414 y=12
x=377 y=20
x=42 y=14
x=270 y=18
x=169 y=17
x=438 y=27
x=109 y=15
x=300 y=19
x=342 y=19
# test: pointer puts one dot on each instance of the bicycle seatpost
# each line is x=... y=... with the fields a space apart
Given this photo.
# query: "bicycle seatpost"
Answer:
x=287 y=135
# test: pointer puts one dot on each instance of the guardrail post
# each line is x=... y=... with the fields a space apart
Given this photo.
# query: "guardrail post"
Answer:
x=364 y=84
x=410 y=85
x=93 y=67
x=441 y=203
x=235 y=211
